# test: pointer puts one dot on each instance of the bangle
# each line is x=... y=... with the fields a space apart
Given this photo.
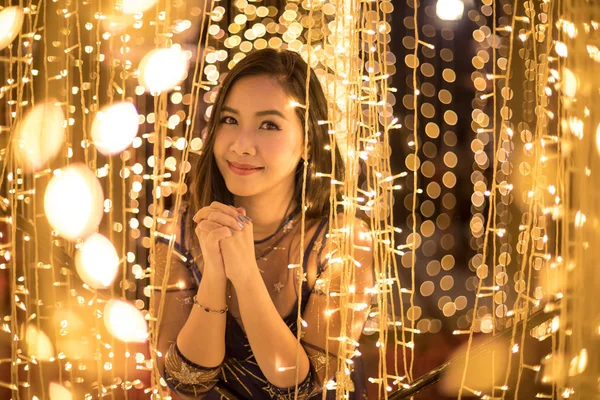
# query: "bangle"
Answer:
x=210 y=310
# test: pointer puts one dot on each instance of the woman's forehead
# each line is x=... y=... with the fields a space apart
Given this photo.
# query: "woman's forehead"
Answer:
x=258 y=92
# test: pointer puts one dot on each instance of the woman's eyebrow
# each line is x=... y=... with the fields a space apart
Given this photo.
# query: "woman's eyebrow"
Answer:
x=258 y=113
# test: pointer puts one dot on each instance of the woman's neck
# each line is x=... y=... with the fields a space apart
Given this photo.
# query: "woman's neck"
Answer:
x=267 y=212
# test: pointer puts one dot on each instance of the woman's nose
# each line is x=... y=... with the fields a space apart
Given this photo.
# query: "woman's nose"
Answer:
x=244 y=143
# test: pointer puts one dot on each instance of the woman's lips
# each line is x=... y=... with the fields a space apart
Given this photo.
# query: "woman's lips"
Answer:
x=242 y=170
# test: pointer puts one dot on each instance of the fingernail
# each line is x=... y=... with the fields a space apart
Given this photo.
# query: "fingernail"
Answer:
x=241 y=225
x=248 y=218
x=241 y=219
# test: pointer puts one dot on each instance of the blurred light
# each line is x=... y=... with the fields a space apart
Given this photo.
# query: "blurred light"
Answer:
x=115 y=24
x=125 y=322
x=97 y=261
x=569 y=83
x=162 y=69
x=136 y=6
x=39 y=344
x=73 y=202
x=450 y=10
x=59 y=392
x=40 y=136
x=578 y=363
x=115 y=127
x=11 y=20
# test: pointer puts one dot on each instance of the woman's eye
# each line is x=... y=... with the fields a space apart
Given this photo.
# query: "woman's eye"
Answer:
x=228 y=120
x=270 y=126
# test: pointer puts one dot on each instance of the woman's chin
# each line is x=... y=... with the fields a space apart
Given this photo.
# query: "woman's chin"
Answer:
x=241 y=191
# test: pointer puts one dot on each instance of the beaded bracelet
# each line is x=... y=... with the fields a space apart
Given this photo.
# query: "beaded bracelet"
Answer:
x=210 y=310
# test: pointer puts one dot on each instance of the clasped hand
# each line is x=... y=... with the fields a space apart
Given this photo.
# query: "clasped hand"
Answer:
x=226 y=239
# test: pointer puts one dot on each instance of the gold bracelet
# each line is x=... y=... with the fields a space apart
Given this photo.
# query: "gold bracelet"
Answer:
x=210 y=310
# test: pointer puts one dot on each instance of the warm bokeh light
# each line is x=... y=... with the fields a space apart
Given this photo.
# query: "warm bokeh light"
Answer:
x=163 y=69
x=136 y=6
x=59 y=392
x=40 y=135
x=39 y=344
x=97 y=261
x=450 y=10
x=578 y=363
x=11 y=20
x=115 y=127
x=74 y=333
x=125 y=322
x=73 y=202
x=569 y=83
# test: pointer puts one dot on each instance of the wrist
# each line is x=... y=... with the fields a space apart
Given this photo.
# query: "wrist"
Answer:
x=246 y=281
x=214 y=277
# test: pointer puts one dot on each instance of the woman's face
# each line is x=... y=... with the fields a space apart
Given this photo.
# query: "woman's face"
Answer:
x=259 y=138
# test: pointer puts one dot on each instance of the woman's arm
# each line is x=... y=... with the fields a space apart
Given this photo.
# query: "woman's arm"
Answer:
x=185 y=324
x=272 y=342
x=202 y=337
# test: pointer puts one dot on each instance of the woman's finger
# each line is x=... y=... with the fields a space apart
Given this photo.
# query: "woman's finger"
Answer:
x=229 y=210
x=207 y=226
x=236 y=223
x=218 y=234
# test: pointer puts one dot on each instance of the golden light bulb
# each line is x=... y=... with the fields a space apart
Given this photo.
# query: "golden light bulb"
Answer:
x=125 y=322
x=569 y=83
x=11 y=20
x=39 y=344
x=115 y=127
x=136 y=6
x=40 y=136
x=450 y=10
x=97 y=261
x=73 y=202
x=163 y=69
x=59 y=392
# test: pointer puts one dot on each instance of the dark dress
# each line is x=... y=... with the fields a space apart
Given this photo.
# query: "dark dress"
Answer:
x=241 y=377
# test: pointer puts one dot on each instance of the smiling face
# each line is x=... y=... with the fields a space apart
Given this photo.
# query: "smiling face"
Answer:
x=259 y=138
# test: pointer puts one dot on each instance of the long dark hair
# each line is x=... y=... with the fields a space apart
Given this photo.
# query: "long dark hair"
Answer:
x=290 y=70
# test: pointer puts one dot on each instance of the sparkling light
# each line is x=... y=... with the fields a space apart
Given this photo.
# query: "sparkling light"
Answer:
x=115 y=127
x=450 y=10
x=136 y=6
x=163 y=69
x=40 y=136
x=73 y=202
x=125 y=322
x=39 y=344
x=97 y=261
x=11 y=20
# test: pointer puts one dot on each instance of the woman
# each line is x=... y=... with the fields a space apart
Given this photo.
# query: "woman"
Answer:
x=233 y=329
